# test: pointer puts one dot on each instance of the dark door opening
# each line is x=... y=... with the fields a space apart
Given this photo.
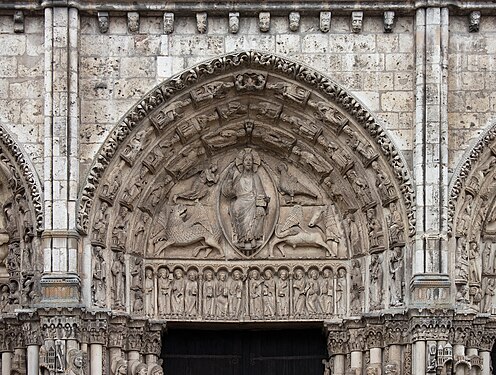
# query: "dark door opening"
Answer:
x=243 y=352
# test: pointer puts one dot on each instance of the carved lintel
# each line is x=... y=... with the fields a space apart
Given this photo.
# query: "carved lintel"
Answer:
x=388 y=21
x=202 y=22
x=168 y=23
x=325 y=21
x=234 y=22
x=133 y=22
x=356 y=22
x=19 y=21
x=294 y=21
x=264 y=21
x=103 y=22
x=474 y=21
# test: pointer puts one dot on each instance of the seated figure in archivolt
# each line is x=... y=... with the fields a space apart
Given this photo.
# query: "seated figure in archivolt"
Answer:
x=248 y=205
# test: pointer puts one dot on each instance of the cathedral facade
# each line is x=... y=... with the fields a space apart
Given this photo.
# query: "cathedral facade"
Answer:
x=246 y=166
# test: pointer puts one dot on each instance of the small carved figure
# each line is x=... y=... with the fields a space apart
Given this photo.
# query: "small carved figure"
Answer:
x=177 y=289
x=164 y=292
x=209 y=294
x=357 y=287
x=201 y=22
x=362 y=147
x=341 y=292
x=384 y=184
x=101 y=223
x=168 y=23
x=475 y=266
x=234 y=22
x=360 y=187
x=474 y=21
x=290 y=186
x=489 y=292
x=376 y=282
x=235 y=294
x=269 y=294
x=103 y=22
x=149 y=288
x=356 y=22
x=299 y=291
x=249 y=202
x=181 y=230
x=119 y=366
x=119 y=277
x=133 y=22
x=199 y=189
x=121 y=229
x=325 y=21
x=388 y=21
x=462 y=263
x=264 y=21
x=352 y=234
x=255 y=290
x=191 y=293
x=487 y=265
x=4 y=297
x=99 y=286
x=282 y=290
x=312 y=294
x=293 y=233
x=294 y=21
x=135 y=146
x=221 y=295
x=112 y=185
x=376 y=234
x=315 y=162
x=137 y=274
x=140 y=369
x=396 y=271
x=156 y=370
x=138 y=302
x=396 y=228
x=465 y=216
x=76 y=362
x=327 y=292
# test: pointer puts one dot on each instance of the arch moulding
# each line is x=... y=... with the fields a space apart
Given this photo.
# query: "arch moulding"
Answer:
x=252 y=174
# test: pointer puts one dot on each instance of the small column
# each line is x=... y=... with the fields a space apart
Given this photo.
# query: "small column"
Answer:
x=486 y=360
x=376 y=357
x=418 y=362
x=6 y=363
x=375 y=342
x=395 y=354
x=339 y=364
x=356 y=347
x=33 y=359
x=459 y=351
x=96 y=359
x=356 y=360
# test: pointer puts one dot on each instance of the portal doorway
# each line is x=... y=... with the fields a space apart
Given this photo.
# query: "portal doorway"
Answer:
x=244 y=352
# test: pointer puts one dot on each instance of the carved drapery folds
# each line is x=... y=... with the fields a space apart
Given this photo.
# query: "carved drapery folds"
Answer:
x=249 y=156
x=472 y=217
x=20 y=223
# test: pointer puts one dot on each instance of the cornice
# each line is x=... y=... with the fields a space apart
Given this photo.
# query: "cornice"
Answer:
x=277 y=7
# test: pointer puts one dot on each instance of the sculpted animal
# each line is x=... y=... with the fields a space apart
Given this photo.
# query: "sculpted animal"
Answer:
x=183 y=229
x=293 y=233
x=290 y=186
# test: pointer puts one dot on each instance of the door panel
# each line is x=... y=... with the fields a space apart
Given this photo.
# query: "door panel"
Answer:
x=274 y=352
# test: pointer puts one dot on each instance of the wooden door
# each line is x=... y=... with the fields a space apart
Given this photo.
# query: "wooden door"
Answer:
x=242 y=352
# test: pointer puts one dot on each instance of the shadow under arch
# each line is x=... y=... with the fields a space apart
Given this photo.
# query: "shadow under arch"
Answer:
x=157 y=186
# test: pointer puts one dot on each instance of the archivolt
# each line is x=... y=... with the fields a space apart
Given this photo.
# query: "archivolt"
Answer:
x=24 y=181
x=322 y=118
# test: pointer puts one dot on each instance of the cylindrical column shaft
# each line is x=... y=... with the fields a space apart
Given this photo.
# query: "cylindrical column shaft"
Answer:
x=33 y=359
x=6 y=363
x=356 y=360
x=418 y=365
x=96 y=359
x=395 y=354
x=339 y=364
x=459 y=350
x=486 y=360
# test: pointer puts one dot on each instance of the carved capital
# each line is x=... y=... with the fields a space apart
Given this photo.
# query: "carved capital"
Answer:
x=337 y=341
x=152 y=342
x=134 y=339
x=374 y=336
x=97 y=331
x=357 y=340
x=116 y=336
x=61 y=327
x=32 y=333
x=430 y=328
x=395 y=332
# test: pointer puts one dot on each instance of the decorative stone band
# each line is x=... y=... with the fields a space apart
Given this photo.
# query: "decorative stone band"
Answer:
x=473 y=159
x=23 y=173
x=174 y=90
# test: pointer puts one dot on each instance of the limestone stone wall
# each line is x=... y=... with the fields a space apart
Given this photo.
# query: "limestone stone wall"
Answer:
x=119 y=67
x=22 y=84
